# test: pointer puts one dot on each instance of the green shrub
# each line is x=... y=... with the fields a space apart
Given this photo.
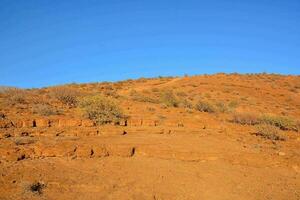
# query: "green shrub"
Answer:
x=245 y=118
x=284 y=123
x=66 y=95
x=101 y=110
x=268 y=131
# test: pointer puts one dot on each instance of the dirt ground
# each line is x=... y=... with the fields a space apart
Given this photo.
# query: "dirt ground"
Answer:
x=160 y=153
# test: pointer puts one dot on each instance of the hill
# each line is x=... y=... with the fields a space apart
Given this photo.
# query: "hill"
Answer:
x=221 y=136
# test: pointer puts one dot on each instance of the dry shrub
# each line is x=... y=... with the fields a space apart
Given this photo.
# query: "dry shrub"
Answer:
x=44 y=110
x=101 y=109
x=222 y=107
x=268 y=131
x=245 y=118
x=284 y=123
x=65 y=95
x=169 y=99
x=204 y=106
x=185 y=103
x=15 y=96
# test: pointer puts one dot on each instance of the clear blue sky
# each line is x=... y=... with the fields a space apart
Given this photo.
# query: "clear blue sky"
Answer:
x=51 y=42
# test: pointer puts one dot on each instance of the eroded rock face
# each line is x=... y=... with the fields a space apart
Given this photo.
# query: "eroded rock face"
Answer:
x=69 y=122
x=42 y=123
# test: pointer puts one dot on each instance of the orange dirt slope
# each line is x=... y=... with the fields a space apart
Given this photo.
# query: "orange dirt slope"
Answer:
x=222 y=136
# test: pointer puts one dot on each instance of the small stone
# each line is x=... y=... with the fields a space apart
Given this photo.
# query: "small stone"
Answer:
x=281 y=153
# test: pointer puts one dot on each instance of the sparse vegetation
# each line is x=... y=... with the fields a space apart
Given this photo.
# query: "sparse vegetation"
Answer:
x=268 y=131
x=141 y=98
x=44 y=110
x=185 y=103
x=284 y=123
x=245 y=118
x=101 y=110
x=169 y=99
x=15 y=96
x=222 y=107
x=204 y=106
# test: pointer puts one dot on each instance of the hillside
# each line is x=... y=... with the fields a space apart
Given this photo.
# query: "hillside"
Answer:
x=222 y=136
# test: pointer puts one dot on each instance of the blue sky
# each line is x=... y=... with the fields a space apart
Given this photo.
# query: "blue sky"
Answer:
x=55 y=41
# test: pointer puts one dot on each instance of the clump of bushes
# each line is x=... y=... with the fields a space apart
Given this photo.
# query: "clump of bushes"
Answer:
x=66 y=95
x=204 y=106
x=44 y=110
x=101 y=109
x=268 y=131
